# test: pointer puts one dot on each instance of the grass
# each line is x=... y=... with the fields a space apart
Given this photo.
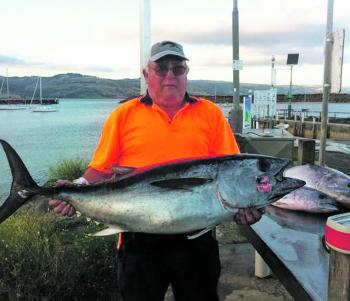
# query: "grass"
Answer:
x=228 y=233
x=47 y=257
x=68 y=169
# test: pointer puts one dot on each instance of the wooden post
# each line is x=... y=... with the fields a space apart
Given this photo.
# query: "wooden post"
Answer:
x=328 y=131
x=339 y=276
x=314 y=128
x=306 y=151
x=302 y=129
x=295 y=129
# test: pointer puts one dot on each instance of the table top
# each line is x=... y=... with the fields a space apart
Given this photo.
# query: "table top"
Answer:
x=296 y=239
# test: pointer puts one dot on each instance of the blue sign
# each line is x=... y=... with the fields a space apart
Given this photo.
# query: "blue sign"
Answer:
x=247 y=112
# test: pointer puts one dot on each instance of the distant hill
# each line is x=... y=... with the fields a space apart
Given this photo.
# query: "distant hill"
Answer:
x=75 y=85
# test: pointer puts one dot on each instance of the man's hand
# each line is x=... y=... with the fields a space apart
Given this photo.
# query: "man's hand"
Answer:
x=248 y=216
x=60 y=207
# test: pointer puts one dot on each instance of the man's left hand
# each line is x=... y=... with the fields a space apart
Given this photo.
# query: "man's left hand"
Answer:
x=248 y=216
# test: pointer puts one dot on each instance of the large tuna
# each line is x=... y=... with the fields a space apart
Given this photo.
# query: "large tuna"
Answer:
x=329 y=181
x=171 y=198
x=308 y=200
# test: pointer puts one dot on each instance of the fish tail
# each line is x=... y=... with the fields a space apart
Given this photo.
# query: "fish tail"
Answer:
x=23 y=186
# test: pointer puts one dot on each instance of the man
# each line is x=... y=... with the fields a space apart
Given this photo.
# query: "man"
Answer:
x=163 y=125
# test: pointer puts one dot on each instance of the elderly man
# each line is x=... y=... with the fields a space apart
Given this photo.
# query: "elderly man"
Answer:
x=163 y=125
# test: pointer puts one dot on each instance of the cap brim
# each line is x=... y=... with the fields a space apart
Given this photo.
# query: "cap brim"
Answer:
x=165 y=53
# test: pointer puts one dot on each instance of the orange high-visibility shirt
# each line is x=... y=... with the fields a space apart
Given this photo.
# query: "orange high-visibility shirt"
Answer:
x=139 y=133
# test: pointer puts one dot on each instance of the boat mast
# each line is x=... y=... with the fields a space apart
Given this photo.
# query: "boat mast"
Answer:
x=41 y=97
x=7 y=86
x=36 y=86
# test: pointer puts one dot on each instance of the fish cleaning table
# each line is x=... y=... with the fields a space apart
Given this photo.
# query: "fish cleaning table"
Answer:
x=272 y=142
x=291 y=244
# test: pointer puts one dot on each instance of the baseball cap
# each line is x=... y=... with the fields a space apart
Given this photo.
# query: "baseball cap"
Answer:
x=164 y=48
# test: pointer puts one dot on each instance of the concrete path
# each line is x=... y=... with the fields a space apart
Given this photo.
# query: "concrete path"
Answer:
x=238 y=282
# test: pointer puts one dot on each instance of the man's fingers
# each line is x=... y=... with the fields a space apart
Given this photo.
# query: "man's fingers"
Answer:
x=255 y=214
x=60 y=207
x=65 y=210
x=71 y=211
x=240 y=217
x=63 y=182
x=54 y=203
x=248 y=216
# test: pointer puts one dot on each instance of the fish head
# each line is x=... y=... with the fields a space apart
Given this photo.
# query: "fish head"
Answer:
x=254 y=181
x=338 y=184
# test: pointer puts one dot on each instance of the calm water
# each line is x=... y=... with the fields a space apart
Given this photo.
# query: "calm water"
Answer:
x=43 y=139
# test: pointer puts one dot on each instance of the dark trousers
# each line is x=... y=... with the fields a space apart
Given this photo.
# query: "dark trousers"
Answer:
x=148 y=263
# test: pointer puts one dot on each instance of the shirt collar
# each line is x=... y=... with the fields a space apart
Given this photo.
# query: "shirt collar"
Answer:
x=146 y=98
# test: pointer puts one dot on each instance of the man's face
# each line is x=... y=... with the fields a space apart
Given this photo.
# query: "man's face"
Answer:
x=166 y=79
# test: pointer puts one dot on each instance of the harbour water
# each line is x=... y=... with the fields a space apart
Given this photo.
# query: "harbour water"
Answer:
x=43 y=139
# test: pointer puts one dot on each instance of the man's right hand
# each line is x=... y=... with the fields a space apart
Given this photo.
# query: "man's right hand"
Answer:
x=61 y=207
x=91 y=176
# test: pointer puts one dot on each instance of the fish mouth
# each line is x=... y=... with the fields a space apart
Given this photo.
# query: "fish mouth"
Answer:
x=287 y=185
x=263 y=184
x=290 y=184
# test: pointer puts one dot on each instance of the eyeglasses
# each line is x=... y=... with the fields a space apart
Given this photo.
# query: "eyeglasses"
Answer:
x=162 y=70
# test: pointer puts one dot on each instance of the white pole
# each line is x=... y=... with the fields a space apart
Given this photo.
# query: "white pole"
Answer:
x=326 y=82
x=236 y=113
x=145 y=39
x=273 y=72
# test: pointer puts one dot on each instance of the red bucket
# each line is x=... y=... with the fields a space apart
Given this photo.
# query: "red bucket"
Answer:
x=337 y=234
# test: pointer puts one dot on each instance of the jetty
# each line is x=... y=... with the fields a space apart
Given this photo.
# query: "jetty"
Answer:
x=290 y=244
x=307 y=124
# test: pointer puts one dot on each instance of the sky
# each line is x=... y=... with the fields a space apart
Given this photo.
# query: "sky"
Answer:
x=101 y=37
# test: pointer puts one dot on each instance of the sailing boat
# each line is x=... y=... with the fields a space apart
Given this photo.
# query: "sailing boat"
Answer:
x=8 y=106
x=40 y=108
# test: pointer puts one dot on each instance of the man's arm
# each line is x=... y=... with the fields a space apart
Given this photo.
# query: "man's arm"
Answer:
x=90 y=176
x=93 y=176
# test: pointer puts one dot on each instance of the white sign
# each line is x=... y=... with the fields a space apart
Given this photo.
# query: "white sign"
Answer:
x=337 y=60
x=237 y=64
x=265 y=103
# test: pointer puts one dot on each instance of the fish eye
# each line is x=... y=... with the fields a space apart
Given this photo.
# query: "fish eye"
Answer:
x=321 y=196
x=348 y=185
x=263 y=165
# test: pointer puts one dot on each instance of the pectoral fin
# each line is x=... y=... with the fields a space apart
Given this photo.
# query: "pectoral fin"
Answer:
x=200 y=233
x=181 y=183
x=109 y=231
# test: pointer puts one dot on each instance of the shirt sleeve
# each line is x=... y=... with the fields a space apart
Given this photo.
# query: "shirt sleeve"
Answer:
x=224 y=141
x=107 y=151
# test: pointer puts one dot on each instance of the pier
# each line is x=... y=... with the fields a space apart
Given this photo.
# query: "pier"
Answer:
x=21 y=101
x=290 y=243
x=303 y=124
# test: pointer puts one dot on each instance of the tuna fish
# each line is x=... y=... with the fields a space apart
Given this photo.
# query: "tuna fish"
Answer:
x=329 y=181
x=307 y=200
x=298 y=221
x=177 y=197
